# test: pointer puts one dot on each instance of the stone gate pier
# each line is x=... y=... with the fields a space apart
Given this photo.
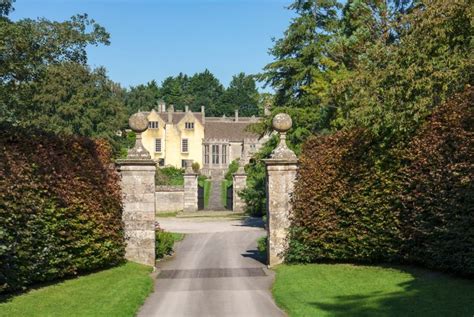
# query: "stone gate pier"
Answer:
x=281 y=170
x=138 y=192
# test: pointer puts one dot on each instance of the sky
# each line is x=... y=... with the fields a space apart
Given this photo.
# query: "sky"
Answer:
x=160 y=38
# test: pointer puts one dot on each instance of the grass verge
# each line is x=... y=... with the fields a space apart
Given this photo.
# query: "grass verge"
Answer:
x=118 y=291
x=349 y=290
x=170 y=214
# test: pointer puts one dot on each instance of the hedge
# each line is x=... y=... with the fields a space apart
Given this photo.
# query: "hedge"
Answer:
x=355 y=201
x=60 y=207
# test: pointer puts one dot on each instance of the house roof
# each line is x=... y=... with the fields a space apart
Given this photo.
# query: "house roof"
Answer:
x=228 y=130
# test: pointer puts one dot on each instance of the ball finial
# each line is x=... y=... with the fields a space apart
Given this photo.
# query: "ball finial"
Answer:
x=282 y=122
x=138 y=122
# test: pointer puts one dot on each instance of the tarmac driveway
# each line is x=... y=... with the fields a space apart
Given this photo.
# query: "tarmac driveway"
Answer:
x=216 y=271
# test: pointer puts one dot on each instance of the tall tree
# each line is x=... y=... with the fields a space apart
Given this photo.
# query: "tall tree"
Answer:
x=28 y=47
x=206 y=90
x=242 y=94
x=300 y=56
x=142 y=97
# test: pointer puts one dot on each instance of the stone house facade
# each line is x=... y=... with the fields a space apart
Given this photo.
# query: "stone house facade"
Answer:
x=175 y=138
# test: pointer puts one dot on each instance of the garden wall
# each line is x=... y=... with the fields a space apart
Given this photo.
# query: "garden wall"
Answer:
x=169 y=198
x=357 y=201
x=60 y=207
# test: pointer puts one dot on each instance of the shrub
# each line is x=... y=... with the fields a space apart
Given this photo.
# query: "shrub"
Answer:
x=233 y=167
x=196 y=167
x=357 y=201
x=60 y=207
x=164 y=243
x=169 y=176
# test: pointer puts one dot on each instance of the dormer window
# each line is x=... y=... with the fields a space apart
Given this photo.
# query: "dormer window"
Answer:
x=153 y=125
x=189 y=125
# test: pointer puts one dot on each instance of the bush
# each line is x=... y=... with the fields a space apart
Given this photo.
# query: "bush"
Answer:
x=169 y=176
x=356 y=201
x=60 y=207
x=233 y=168
x=196 y=167
x=164 y=243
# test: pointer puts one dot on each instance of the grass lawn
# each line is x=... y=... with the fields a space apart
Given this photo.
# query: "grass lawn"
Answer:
x=349 y=290
x=119 y=291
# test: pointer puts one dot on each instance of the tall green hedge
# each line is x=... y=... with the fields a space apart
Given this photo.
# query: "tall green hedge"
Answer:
x=356 y=201
x=60 y=207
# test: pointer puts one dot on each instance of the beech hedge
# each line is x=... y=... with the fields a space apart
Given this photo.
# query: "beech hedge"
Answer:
x=355 y=201
x=60 y=207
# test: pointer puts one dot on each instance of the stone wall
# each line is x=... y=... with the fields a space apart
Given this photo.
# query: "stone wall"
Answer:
x=239 y=184
x=169 y=198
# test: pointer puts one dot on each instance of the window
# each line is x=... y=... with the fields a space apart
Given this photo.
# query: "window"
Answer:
x=184 y=146
x=206 y=154
x=153 y=124
x=215 y=154
x=158 y=145
x=224 y=154
x=189 y=125
x=161 y=162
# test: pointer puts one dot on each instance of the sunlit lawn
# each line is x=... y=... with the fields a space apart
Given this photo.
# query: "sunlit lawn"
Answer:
x=348 y=290
x=114 y=292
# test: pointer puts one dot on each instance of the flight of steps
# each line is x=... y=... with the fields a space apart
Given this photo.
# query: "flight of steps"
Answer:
x=215 y=196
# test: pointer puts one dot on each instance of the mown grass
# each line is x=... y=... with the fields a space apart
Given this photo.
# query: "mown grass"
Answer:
x=347 y=290
x=118 y=291
x=169 y=214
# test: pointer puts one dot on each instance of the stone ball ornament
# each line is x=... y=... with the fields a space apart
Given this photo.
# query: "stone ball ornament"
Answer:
x=138 y=122
x=282 y=122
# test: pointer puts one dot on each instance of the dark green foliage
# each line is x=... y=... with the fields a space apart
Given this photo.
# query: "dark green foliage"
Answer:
x=60 y=207
x=196 y=167
x=169 y=176
x=163 y=244
x=262 y=244
x=354 y=202
x=232 y=169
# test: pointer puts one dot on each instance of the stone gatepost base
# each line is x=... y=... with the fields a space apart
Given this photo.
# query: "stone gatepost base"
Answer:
x=239 y=183
x=190 y=201
x=281 y=175
x=138 y=190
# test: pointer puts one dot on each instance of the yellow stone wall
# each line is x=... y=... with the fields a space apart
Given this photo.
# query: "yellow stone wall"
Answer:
x=171 y=136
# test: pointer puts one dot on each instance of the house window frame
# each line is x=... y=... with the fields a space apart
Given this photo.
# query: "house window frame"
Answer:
x=206 y=154
x=153 y=125
x=185 y=145
x=189 y=125
x=215 y=154
x=224 y=154
x=158 y=145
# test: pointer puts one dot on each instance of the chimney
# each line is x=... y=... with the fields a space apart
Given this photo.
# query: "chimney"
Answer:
x=236 y=115
x=161 y=106
x=186 y=108
x=170 y=114
x=203 y=114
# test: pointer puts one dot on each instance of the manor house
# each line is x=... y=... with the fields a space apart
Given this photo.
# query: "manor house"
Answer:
x=177 y=138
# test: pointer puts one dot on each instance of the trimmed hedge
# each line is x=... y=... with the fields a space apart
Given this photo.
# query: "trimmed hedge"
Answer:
x=60 y=207
x=355 y=201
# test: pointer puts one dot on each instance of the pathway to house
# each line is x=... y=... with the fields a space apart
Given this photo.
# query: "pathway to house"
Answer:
x=217 y=271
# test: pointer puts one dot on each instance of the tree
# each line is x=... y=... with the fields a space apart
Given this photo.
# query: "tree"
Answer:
x=206 y=90
x=300 y=56
x=28 y=47
x=242 y=94
x=70 y=98
x=142 y=97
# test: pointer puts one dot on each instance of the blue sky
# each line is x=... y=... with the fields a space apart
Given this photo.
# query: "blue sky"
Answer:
x=156 y=39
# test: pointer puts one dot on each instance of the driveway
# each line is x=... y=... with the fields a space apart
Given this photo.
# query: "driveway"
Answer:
x=216 y=271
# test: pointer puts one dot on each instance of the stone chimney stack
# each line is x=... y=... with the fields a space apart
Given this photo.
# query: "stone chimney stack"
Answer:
x=236 y=115
x=186 y=108
x=170 y=114
x=161 y=106
x=203 y=114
